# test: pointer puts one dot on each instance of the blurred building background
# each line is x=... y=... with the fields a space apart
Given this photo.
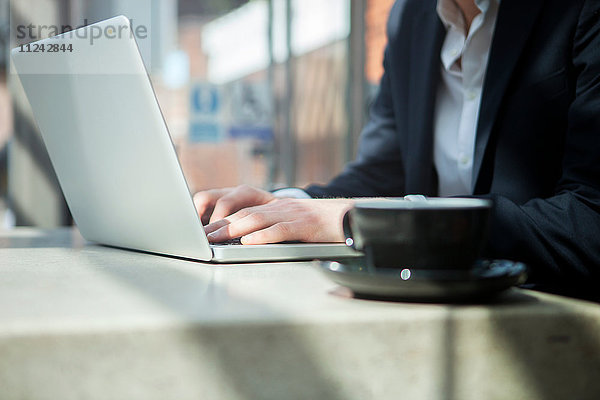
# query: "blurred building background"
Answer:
x=270 y=93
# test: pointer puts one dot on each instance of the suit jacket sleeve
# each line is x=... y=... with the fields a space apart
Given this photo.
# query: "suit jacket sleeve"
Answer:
x=559 y=236
x=377 y=170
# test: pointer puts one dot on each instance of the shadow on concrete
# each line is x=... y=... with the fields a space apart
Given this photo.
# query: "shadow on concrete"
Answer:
x=260 y=360
x=560 y=358
x=553 y=353
x=548 y=350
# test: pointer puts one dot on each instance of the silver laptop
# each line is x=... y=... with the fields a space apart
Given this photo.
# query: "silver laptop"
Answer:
x=94 y=104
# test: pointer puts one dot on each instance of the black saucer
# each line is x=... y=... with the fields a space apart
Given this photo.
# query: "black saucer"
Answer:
x=484 y=281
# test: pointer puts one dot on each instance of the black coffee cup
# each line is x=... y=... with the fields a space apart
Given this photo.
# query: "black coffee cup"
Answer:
x=434 y=233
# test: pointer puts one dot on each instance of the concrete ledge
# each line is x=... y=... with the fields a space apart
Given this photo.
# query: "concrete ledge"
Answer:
x=80 y=321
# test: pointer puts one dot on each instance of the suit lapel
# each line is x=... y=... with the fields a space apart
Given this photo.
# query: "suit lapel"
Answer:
x=424 y=59
x=515 y=22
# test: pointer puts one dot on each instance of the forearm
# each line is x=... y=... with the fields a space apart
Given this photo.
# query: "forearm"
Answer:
x=558 y=237
x=363 y=180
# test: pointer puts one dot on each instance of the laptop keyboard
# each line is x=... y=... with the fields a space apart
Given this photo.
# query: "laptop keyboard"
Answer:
x=230 y=242
x=238 y=242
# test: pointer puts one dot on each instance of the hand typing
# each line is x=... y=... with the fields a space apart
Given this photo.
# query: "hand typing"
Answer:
x=278 y=220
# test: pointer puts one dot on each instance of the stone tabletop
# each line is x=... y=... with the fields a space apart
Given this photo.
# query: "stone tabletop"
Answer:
x=78 y=320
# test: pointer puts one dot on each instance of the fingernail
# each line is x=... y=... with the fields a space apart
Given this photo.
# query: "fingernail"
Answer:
x=213 y=236
x=246 y=239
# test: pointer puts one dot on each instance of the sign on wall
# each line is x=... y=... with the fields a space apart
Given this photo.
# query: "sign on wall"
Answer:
x=242 y=110
x=251 y=111
x=206 y=113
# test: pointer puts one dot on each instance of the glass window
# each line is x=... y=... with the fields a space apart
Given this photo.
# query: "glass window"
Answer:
x=262 y=92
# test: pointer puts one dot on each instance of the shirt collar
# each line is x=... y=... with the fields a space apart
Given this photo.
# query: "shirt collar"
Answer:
x=450 y=13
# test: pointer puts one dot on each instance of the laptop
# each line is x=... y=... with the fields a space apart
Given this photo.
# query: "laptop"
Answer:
x=112 y=153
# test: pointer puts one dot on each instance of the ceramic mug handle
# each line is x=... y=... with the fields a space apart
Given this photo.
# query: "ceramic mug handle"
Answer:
x=348 y=230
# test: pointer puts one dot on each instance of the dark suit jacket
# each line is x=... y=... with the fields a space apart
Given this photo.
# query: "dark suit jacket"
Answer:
x=537 y=151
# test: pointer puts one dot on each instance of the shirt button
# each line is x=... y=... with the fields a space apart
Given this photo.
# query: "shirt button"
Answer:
x=464 y=159
x=453 y=52
x=471 y=95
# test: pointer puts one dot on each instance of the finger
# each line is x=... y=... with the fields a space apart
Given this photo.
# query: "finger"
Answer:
x=244 y=212
x=272 y=206
x=205 y=216
x=215 y=225
x=242 y=197
x=279 y=232
x=224 y=207
x=246 y=225
x=205 y=201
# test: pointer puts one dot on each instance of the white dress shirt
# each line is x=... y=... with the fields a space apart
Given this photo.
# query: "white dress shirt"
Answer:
x=464 y=62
